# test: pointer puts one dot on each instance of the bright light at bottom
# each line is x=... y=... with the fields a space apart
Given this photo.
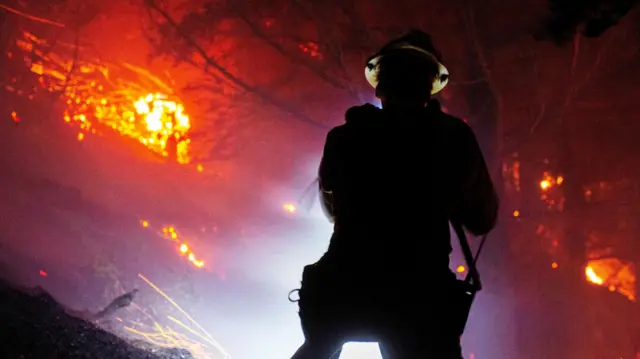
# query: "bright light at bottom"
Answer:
x=360 y=351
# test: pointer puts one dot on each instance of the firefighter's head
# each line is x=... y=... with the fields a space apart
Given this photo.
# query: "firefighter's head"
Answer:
x=407 y=69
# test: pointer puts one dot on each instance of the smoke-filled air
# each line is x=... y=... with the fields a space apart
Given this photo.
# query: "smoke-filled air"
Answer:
x=159 y=162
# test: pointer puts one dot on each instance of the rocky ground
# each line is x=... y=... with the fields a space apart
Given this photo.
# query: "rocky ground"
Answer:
x=34 y=326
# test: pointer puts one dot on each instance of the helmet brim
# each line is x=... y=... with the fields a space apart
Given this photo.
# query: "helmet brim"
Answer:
x=439 y=82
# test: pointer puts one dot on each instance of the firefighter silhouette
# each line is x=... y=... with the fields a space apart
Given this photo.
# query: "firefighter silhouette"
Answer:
x=391 y=180
x=172 y=141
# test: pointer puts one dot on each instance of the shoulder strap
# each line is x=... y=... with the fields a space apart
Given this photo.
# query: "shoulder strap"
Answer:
x=473 y=276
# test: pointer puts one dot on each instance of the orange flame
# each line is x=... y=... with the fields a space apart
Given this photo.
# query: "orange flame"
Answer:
x=184 y=248
x=158 y=123
x=549 y=181
x=96 y=101
x=613 y=274
x=545 y=184
x=592 y=276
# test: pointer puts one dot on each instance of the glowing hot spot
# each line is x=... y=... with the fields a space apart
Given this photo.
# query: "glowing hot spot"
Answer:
x=289 y=207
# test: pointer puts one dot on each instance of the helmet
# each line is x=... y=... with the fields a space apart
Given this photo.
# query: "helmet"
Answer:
x=415 y=42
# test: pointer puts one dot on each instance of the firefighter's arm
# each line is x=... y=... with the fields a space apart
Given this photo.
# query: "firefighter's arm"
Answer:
x=478 y=208
x=326 y=202
x=327 y=174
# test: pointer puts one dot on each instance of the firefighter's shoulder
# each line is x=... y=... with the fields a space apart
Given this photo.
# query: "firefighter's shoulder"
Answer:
x=356 y=118
x=361 y=114
x=453 y=123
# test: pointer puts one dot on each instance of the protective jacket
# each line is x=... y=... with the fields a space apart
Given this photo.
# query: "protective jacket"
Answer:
x=391 y=180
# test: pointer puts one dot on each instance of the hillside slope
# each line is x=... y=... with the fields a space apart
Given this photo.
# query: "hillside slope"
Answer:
x=37 y=327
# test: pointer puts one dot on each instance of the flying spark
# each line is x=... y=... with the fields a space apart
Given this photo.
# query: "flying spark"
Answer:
x=197 y=340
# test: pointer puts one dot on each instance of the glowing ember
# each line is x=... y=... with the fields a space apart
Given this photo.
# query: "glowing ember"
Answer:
x=592 y=276
x=170 y=233
x=549 y=181
x=96 y=101
x=545 y=184
x=289 y=208
x=614 y=275
x=184 y=249
x=548 y=186
x=14 y=117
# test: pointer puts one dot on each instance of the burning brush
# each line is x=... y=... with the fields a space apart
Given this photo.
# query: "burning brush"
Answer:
x=101 y=97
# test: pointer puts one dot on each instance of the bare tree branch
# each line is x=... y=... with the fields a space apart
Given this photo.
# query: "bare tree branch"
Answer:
x=538 y=120
x=595 y=67
x=72 y=68
x=486 y=71
x=334 y=47
x=262 y=94
x=294 y=58
x=31 y=17
x=572 y=71
x=537 y=87
x=467 y=82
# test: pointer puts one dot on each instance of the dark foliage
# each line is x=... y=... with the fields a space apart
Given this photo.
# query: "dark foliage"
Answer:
x=591 y=18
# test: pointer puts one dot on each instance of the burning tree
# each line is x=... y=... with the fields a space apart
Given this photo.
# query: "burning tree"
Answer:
x=551 y=102
x=99 y=96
